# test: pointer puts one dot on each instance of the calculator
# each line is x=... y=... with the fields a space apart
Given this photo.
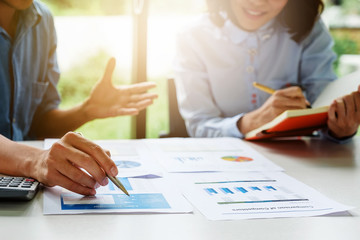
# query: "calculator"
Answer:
x=18 y=188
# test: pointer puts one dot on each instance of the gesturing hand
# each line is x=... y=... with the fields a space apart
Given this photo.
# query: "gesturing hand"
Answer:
x=64 y=164
x=106 y=100
x=344 y=115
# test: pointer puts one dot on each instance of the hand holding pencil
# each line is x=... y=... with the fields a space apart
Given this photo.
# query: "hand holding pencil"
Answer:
x=272 y=91
x=279 y=101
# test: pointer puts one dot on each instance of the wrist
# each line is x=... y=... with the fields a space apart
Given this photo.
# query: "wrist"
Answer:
x=86 y=111
x=29 y=164
x=248 y=122
x=340 y=136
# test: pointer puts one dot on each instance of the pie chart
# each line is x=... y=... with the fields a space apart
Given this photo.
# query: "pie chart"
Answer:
x=127 y=164
x=237 y=159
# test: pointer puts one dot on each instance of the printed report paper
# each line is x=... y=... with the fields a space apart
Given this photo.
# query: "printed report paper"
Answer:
x=147 y=195
x=248 y=195
x=132 y=157
x=208 y=154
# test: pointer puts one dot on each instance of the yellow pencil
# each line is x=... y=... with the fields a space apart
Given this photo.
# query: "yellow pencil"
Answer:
x=271 y=91
x=263 y=88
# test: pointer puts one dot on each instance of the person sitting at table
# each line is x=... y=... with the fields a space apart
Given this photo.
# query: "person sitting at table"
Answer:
x=279 y=43
x=29 y=105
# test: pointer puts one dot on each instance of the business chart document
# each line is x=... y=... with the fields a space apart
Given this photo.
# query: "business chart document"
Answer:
x=147 y=195
x=208 y=154
x=132 y=157
x=223 y=177
x=248 y=195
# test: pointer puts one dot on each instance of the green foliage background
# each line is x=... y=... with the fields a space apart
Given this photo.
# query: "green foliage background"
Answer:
x=76 y=83
x=88 y=7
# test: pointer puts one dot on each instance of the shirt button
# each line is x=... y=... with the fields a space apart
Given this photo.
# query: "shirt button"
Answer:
x=254 y=95
x=250 y=69
x=14 y=120
x=266 y=37
x=252 y=51
x=253 y=101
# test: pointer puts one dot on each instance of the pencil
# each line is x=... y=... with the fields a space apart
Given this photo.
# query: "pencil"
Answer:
x=263 y=88
x=113 y=179
x=118 y=184
x=271 y=91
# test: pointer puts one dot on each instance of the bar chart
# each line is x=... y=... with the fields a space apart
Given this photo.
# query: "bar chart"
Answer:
x=249 y=191
x=141 y=196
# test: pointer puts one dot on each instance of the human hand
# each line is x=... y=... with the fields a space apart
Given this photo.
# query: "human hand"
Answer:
x=106 y=100
x=280 y=101
x=74 y=163
x=344 y=115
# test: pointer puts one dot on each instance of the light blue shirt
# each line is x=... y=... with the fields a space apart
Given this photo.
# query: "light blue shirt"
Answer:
x=215 y=68
x=32 y=86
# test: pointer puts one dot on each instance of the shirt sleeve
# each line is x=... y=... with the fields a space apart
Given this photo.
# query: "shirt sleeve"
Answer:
x=325 y=133
x=202 y=117
x=316 y=67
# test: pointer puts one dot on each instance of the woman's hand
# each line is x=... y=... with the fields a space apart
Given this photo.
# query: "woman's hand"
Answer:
x=74 y=163
x=344 y=115
x=280 y=101
x=106 y=100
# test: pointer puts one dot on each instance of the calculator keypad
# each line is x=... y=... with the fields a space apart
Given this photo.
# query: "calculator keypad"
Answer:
x=18 y=183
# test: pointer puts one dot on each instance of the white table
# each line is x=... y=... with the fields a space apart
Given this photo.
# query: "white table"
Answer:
x=332 y=169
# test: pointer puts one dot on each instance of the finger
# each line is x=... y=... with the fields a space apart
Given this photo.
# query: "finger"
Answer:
x=73 y=186
x=107 y=152
x=125 y=111
x=282 y=101
x=121 y=111
x=81 y=159
x=141 y=105
x=291 y=92
x=140 y=87
x=75 y=174
x=109 y=70
x=349 y=105
x=340 y=109
x=332 y=112
x=95 y=151
x=332 y=119
x=356 y=97
x=140 y=97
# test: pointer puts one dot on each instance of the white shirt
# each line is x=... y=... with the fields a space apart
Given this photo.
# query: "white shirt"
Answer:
x=215 y=68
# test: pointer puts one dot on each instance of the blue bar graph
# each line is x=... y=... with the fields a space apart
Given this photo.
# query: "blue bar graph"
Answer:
x=241 y=189
x=211 y=191
x=120 y=201
x=270 y=188
x=226 y=191
x=255 y=188
x=111 y=186
x=125 y=181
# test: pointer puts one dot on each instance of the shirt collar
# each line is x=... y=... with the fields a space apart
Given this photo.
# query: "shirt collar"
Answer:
x=30 y=16
x=237 y=35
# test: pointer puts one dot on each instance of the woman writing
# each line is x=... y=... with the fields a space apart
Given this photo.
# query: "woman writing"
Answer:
x=282 y=44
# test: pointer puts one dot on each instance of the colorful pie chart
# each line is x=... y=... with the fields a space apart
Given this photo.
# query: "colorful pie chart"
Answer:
x=127 y=164
x=237 y=159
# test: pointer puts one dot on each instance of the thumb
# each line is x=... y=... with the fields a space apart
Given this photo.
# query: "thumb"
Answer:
x=109 y=71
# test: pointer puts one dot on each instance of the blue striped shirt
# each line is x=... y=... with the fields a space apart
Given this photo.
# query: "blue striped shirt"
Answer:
x=31 y=88
x=215 y=68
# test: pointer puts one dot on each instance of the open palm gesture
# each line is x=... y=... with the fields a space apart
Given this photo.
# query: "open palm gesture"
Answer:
x=107 y=100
